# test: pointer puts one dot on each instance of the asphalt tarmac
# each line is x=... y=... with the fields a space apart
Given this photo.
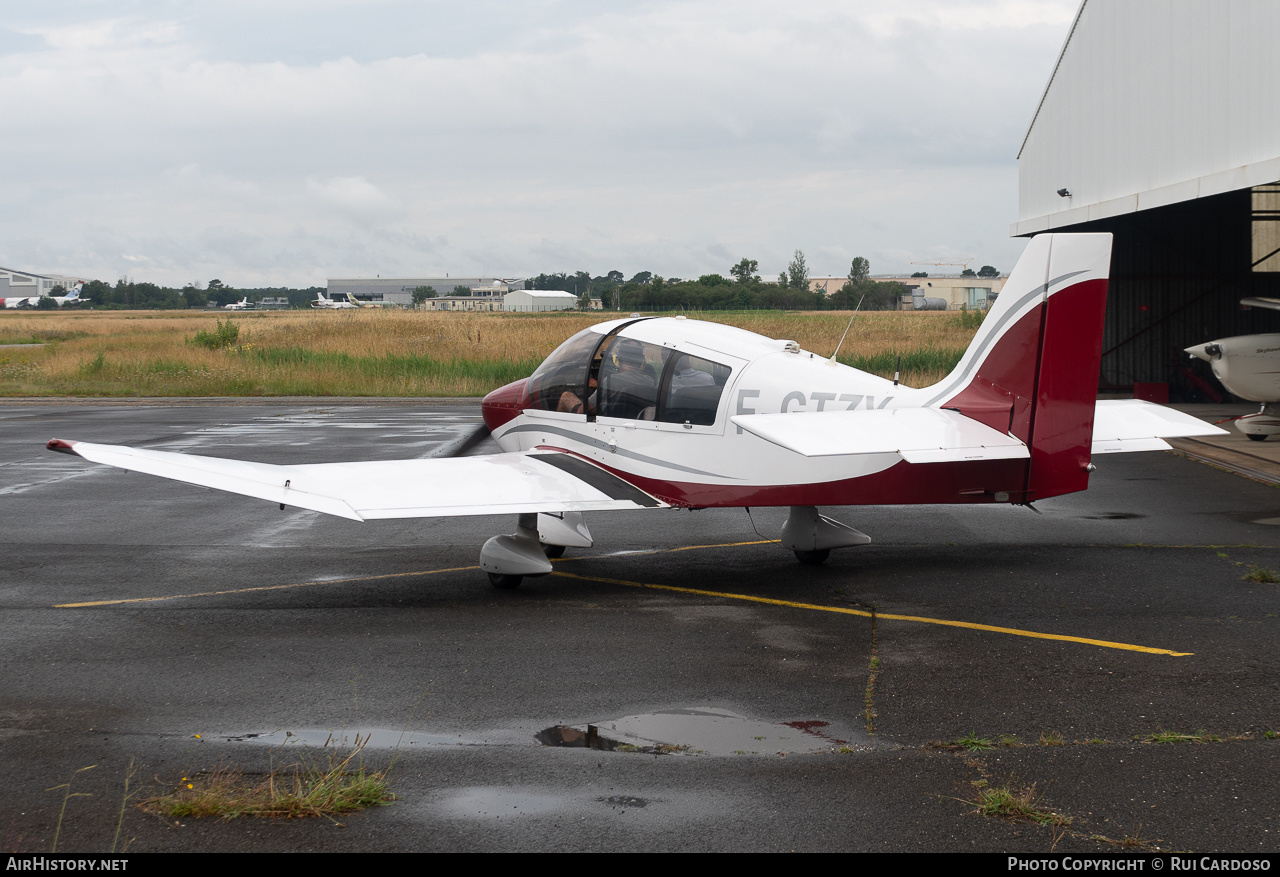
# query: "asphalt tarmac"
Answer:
x=752 y=703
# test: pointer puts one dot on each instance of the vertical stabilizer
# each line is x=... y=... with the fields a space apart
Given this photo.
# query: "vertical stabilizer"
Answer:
x=1032 y=368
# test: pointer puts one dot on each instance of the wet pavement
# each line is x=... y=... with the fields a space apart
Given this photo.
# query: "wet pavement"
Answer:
x=735 y=699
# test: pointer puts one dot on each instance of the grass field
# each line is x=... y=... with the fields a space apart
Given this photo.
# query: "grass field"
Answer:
x=388 y=352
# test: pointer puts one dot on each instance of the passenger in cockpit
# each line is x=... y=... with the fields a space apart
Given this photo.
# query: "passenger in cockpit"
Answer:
x=628 y=388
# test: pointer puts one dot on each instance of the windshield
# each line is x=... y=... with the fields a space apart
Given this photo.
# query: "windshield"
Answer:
x=559 y=383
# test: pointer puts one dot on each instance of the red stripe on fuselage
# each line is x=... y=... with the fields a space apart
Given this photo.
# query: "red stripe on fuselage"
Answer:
x=904 y=483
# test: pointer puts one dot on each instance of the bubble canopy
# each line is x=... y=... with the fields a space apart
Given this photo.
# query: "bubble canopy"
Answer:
x=600 y=372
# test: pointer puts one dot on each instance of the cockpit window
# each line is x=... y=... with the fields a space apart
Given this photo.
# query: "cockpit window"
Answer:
x=630 y=373
x=693 y=391
x=611 y=376
x=560 y=381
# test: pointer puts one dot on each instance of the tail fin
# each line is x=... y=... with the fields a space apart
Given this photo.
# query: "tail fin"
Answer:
x=1032 y=369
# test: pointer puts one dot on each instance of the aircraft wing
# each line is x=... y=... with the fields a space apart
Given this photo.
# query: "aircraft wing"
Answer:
x=1121 y=425
x=539 y=481
x=1261 y=302
x=919 y=435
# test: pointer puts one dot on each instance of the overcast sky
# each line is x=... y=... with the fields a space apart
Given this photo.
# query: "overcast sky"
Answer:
x=282 y=142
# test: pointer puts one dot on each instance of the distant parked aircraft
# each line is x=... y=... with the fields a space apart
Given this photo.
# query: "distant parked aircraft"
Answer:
x=343 y=300
x=338 y=302
x=31 y=301
x=243 y=305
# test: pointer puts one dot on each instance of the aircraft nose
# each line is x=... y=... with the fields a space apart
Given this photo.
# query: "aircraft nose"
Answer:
x=1206 y=352
x=504 y=403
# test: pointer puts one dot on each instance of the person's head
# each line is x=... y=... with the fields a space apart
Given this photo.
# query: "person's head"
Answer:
x=630 y=355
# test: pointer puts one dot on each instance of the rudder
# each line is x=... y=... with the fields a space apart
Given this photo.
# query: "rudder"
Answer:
x=1032 y=369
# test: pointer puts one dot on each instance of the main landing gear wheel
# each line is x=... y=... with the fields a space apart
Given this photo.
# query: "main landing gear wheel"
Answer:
x=552 y=551
x=813 y=558
x=1253 y=436
x=505 y=583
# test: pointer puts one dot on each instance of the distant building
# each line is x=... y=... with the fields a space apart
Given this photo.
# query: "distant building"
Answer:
x=20 y=284
x=974 y=293
x=399 y=290
x=534 y=300
x=462 y=303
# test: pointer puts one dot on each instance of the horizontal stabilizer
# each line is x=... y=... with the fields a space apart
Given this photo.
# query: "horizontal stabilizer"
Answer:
x=498 y=484
x=1259 y=302
x=1121 y=425
x=919 y=435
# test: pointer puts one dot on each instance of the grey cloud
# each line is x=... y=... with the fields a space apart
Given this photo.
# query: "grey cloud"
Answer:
x=380 y=136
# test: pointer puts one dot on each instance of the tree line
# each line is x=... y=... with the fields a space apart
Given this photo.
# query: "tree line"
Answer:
x=743 y=289
x=127 y=295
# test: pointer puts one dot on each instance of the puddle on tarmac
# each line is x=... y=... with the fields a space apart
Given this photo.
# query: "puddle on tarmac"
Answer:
x=694 y=731
x=702 y=731
x=507 y=802
x=373 y=738
x=494 y=803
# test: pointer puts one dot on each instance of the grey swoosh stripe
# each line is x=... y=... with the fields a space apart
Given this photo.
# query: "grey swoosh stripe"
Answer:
x=622 y=452
x=995 y=335
x=602 y=480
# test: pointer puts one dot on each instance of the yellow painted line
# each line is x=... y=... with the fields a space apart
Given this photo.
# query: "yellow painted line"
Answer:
x=392 y=575
x=883 y=616
x=747 y=597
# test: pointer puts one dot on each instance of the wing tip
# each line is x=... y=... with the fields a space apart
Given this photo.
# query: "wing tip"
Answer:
x=62 y=447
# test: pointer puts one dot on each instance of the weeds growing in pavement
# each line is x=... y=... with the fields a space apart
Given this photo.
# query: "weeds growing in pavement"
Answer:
x=1261 y=575
x=1018 y=803
x=328 y=785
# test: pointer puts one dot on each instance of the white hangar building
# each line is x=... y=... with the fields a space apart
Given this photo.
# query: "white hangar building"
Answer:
x=536 y=300
x=1161 y=124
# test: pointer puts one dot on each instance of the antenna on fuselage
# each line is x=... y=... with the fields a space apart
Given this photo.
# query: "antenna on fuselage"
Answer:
x=847 y=328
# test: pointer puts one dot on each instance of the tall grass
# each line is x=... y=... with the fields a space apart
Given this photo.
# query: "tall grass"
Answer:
x=328 y=784
x=388 y=353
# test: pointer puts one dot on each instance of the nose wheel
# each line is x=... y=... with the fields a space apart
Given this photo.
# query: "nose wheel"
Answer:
x=813 y=558
x=505 y=582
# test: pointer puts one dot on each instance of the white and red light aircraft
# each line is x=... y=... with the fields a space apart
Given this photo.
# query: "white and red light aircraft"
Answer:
x=672 y=413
